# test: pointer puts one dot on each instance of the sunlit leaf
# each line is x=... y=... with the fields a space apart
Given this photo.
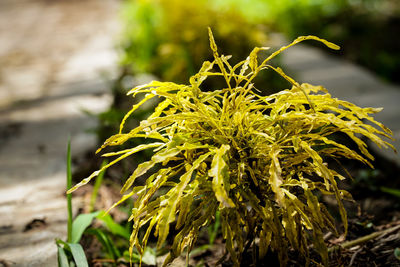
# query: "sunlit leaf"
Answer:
x=78 y=254
x=219 y=172
x=80 y=224
x=62 y=257
x=114 y=227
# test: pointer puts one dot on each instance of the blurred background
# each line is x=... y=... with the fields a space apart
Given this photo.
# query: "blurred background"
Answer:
x=66 y=65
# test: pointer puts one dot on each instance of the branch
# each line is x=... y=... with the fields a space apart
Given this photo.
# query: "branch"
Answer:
x=364 y=239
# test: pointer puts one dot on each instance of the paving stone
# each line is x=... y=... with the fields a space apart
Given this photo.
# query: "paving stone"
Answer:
x=40 y=41
x=52 y=66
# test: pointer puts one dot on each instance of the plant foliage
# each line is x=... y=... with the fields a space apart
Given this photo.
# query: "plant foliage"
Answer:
x=363 y=27
x=168 y=37
x=259 y=161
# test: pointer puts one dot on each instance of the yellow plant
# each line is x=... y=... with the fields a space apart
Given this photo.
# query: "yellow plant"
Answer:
x=258 y=160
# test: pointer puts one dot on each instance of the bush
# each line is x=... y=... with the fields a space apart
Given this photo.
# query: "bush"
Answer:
x=257 y=160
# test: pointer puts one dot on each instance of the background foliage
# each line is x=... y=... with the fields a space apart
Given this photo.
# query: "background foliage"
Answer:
x=363 y=28
x=168 y=38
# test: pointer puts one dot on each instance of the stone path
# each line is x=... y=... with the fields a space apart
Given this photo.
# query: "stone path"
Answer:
x=348 y=82
x=56 y=58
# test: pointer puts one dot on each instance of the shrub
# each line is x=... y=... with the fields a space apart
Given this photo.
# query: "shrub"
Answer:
x=257 y=160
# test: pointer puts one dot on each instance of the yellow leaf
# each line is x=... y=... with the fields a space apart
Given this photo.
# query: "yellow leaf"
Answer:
x=219 y=172
x=174 y=197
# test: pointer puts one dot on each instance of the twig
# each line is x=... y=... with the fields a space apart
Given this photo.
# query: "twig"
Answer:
x=353 y=257
x=364 y=239
x=222 y=258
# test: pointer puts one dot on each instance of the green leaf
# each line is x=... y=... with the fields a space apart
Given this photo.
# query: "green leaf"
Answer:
x=397 y=253
x=392 y=191
x=78 y=254
x=213 y=229
x=96 y=187
x=114 y=227
x=219 y=172
x=62 y=258
x=200 y=250
x=79 y=225
x=107 y=243
x=59 y=242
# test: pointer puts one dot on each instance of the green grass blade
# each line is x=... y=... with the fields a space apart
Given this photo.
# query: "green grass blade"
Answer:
x=392 y=191
x=69 y=196
x=80 y=224
x=199 y=250
x=62 y=258
x=79 y=255
x=213 y=229
x=96 y=186
x=114 y=227
x=107 y=243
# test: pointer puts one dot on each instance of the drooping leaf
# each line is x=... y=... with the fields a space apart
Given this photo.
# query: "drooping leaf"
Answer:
x=219 y=172
x=114 y=227
x=168 y=213
x=80 y=224
x=62 y=257
x=159 y=157
x=127 y=153
x=78 y=254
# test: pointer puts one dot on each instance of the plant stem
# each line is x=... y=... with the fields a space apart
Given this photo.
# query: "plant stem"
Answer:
x=96 y=186
x=364 y=239
x=69 y=196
